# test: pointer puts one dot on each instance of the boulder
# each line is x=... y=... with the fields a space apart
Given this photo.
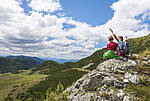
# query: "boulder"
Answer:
x=106 y=83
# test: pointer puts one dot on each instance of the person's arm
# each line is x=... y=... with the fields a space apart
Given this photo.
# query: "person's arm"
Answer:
x=115 y=37
x=114 y=34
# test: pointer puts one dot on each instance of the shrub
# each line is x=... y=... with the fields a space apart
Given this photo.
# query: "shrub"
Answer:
x=56 y=95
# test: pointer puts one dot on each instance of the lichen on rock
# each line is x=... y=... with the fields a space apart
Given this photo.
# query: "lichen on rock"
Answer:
x=112 y=80
x=107 y=82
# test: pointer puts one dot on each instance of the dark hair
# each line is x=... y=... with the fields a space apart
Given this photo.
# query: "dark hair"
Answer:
x=110 y=38
x=121 y=38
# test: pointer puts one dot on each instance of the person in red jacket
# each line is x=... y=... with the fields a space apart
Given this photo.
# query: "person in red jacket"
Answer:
x=112 y=48
x=112 y=45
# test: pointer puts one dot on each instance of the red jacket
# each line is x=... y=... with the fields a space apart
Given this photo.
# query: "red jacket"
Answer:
x=112 y=46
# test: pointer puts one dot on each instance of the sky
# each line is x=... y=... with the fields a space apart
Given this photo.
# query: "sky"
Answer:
x=68 y=29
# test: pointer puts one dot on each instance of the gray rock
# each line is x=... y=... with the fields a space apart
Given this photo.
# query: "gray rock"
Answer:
x=128 y=98
x=125 y=80
x=86 y=97
x=96 y=85
x=121 y=94
x=132 y=78
x=116 y=65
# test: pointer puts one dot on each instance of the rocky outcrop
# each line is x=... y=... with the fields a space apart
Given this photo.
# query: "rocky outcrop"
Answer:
x=106 y=83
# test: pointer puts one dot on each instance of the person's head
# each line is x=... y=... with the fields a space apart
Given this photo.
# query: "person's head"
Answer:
x=121 y=38
x=126 y=38
x=110 y=38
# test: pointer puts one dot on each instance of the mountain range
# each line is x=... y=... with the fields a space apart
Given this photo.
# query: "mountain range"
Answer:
x=15 y=63
x=61 y=60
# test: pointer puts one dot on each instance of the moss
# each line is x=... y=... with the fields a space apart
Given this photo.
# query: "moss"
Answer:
x=141 y=91
x=146 y=52
x=131 y=71
x=142 y=69
x=92 y=88
x=9 y=99
x=132 y=57
x=144 y=80
x=113 y=88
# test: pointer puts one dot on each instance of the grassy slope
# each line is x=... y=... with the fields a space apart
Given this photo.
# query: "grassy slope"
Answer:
x=139 y=45
x=65 y=77
x=14 y=83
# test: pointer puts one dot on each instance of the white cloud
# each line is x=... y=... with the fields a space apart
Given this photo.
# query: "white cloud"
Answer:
x=45 y=5
x=124 y=19
x=29 y=34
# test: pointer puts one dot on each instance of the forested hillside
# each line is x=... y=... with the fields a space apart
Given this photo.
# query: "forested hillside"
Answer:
x=15 y=63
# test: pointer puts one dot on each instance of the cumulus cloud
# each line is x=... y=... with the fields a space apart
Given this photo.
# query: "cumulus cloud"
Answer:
x=45 y=5
x=43 y=35
x=124 y=19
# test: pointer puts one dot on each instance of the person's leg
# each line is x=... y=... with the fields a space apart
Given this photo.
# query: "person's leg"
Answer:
x=122 y=55
x=113 y=55
x=105 y=55
x=108 y=55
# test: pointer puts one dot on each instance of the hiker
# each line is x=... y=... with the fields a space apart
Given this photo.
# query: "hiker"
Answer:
x=123 y=46
x=111 y=47
x=127 y=47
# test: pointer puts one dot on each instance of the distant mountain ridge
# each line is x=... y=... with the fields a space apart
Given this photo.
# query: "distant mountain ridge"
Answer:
x=61 y=60
x=15 y=63
x=25 y=57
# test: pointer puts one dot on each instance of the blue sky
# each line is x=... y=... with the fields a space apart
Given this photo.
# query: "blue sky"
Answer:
x=95 y=12
x=68 y=29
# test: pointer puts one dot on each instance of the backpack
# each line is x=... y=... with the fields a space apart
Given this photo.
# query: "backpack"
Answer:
x=125 y=48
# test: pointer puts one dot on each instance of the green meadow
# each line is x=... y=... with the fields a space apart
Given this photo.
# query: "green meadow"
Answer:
x=11 y=84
